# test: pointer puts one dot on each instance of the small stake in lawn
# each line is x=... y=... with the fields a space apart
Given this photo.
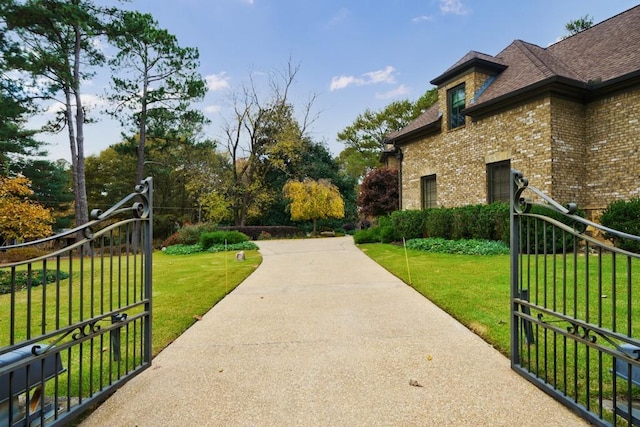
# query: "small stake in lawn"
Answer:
x=406 y=256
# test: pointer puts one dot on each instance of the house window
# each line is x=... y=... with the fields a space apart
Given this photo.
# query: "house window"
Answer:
x=456 y=99
x=498 y=177
x=428 y=190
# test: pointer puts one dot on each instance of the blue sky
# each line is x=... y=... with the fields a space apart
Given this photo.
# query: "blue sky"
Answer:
x=353 y=55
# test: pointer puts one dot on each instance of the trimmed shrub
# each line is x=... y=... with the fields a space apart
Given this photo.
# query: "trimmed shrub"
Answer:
x=368 y=235
x=462 y=221
x=22 y=279
x=439 y=223
x=221 y=237
x=623 y=215
x=275 y=231
x=409 y=223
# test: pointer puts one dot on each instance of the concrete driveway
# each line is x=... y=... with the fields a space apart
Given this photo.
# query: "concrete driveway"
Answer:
x=320 y=335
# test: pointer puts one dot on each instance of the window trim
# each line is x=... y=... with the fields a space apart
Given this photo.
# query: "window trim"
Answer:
x=502 y=194
x=460 y=118
x=428 y=202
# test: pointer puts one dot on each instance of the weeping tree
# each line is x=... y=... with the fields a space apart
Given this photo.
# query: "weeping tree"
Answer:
x=313 y=200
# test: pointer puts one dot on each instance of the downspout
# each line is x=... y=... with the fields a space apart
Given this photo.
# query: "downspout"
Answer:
x=398 y=156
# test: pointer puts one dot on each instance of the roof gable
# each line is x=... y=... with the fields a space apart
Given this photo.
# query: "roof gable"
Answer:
x=471 y=60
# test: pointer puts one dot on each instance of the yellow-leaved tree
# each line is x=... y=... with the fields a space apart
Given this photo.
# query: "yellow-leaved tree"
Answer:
x=311 y=199
x=20 y=217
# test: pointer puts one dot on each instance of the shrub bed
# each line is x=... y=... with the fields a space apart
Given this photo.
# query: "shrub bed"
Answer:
x=22 y=279
x=197 y=248
x=481 y=222
x=460 y=246
x=256 y=232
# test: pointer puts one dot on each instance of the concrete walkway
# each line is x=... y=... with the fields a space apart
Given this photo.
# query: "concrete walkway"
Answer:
x=321 y=335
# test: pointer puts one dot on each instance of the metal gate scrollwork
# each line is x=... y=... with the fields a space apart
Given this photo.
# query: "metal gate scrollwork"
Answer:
x=575 y=328
x=76 y=315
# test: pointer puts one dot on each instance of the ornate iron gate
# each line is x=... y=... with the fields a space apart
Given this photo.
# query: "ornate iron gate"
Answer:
x=75 y=319
x=575 y=318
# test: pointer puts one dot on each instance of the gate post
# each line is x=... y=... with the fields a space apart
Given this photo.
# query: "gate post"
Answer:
x=148 y=248
x=514 y=227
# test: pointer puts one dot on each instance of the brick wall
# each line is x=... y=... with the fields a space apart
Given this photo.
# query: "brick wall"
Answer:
x=613 y=150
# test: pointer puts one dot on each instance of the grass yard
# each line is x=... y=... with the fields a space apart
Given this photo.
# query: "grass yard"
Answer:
x=184 y=288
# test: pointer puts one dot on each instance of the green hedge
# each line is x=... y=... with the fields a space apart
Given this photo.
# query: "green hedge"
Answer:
x=623 y=215
x=212 y=238
x=21 y=279
x=482 y=222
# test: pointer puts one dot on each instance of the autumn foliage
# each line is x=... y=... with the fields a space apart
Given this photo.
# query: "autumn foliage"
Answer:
x=20 y=217
x=378 y=193
x=313 y=200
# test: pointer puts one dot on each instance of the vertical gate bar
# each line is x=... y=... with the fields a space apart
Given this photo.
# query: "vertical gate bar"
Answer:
x=128 y=263
x=536 y=276
x=81 y=285
x=70 y=292
x=92 y=282
x=600 y=355
x=586 y=318
x=12 y=321
x=629 y=299
x=29 y=305
x=614 y=293
x=555 y=305
x=58 y=284
x=148 y=274
x=43 y=328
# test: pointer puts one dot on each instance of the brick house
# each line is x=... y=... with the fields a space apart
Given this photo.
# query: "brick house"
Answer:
x=567 y=116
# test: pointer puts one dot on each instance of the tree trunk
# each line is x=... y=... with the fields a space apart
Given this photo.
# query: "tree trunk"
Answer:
x=82 y=209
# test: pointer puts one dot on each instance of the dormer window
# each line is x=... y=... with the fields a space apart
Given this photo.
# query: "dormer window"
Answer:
x=456 y=100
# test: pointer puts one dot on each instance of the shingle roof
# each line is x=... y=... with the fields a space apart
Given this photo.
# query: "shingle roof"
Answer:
x=607 y=51
x=430 y=116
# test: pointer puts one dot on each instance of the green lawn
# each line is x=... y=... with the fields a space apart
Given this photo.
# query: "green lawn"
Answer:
x=184 y=288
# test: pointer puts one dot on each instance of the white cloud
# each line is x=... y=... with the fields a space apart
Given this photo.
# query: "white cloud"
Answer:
x=381 y=76
x=394 y=93
x=212 y=109
x=422 y=18
x=344 y=81
x=454 y=7
x=217 y=81
x=372 y=77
